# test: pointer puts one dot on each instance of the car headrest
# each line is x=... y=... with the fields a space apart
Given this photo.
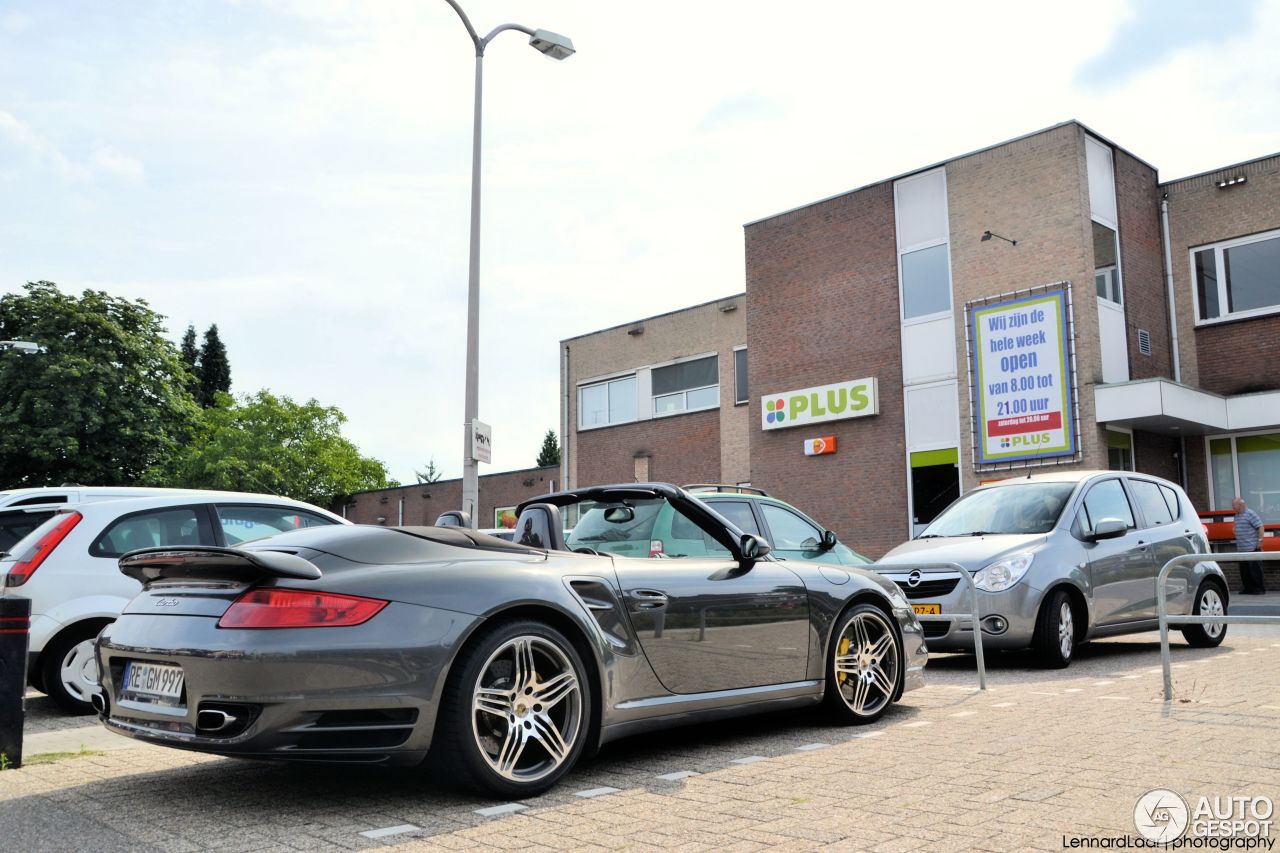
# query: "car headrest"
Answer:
x=540 y=526
x=454 y=518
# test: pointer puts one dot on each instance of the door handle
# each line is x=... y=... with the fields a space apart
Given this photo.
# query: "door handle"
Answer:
x=647 y=599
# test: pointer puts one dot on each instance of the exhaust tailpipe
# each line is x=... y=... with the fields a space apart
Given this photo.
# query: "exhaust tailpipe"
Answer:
x=99 y=703
x=212 y=721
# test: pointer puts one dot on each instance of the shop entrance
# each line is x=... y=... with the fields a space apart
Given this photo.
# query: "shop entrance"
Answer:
x=935 y=483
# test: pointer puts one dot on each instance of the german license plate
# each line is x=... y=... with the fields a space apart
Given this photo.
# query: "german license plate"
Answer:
x=155 y=682
x=927 y=609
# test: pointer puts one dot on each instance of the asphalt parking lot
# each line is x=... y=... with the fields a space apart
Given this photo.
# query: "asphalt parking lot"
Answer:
x=1039 y=758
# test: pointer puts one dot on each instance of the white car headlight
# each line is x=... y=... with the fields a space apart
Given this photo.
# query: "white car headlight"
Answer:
x=998 y=577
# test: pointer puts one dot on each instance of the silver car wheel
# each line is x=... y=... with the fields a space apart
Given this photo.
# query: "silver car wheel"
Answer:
x=1066 y=630
x=79 y=671
x=526 y=709
x=866 y=663
x=1211 y=605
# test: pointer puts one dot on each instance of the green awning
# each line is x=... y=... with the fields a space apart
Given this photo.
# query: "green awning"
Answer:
x=1119 y=439
x=925 y=458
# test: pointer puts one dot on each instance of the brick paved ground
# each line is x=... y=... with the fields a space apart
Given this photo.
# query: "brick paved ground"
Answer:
x=1039 y=756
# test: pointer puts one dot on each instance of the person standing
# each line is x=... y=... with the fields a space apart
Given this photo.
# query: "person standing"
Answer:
x=1249 y=538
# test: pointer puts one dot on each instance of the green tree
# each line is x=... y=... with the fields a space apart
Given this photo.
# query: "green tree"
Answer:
x=550 y=452
x=191 y=358
x=104 y=404
x=265 y=443
x=430 y=474
x=215 y=369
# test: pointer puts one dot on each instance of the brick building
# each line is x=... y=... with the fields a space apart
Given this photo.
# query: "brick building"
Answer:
x=424 y=502
x=663 y=398
x=1153 y=314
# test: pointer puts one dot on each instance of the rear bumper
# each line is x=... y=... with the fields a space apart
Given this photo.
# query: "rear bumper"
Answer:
x=364 y=694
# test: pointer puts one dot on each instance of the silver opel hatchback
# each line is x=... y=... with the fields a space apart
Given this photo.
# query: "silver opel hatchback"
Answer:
x=1060 y=559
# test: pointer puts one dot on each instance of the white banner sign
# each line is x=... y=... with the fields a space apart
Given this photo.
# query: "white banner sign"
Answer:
x=1023 y=379
x=855 y=398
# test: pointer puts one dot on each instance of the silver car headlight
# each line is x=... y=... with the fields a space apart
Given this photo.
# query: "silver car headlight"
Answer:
x=1001 y=575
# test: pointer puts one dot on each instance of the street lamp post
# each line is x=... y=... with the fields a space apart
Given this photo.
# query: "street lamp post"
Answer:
x=557 y=47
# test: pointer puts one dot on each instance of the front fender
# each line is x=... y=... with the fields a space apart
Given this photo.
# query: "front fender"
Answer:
x=832 y=589
x=1044 y=577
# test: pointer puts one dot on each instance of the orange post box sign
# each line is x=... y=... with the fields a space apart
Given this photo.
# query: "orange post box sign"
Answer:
x=820 y=446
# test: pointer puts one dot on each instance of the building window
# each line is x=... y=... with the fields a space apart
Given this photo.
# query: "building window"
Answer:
x=923 y=232
x=686 y=386
x=926 y=282
x=1119 y=450
x=740 y=376
x=1248 y=466
x=1106 y=266
x=1237 y=278
x=605 y=403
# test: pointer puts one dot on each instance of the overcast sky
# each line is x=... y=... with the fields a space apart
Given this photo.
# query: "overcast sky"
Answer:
x=298 y=171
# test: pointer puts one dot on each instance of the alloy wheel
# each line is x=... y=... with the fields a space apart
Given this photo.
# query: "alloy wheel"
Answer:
x=1211 y=605
x=527 y=708
x=1066 y=629
x=866 y=663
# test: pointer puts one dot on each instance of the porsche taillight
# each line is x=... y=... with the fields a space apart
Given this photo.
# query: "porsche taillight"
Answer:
x=297 y=608
x=43 y=547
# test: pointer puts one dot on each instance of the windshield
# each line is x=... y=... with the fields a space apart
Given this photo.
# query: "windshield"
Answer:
x=1021 y=509
x=638 y=527
x=628 y=536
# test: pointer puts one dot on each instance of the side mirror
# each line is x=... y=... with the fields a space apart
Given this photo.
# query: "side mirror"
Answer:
x=1107 y=528
x=752 y=548
x=828 y=540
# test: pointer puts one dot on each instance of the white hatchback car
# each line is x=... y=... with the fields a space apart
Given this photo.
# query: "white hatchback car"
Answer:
x=74 y=494
x=66 y=564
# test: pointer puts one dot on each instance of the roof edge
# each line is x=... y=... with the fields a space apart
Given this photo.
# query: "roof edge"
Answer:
x=1242 y=164
x=1068 y=123
x=453 y=480
x=654 y=317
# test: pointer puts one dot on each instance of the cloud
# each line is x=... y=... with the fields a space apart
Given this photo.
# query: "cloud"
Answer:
x=737 y=109
x=103 y=160
x=39 y=149
x=14 y=23
x=1156 y=30
x=110 y=161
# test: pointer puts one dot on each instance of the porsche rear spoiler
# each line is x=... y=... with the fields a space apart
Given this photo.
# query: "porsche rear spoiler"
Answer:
x=206 y=563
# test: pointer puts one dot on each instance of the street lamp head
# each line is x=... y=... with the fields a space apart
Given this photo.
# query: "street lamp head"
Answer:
x=552 y=44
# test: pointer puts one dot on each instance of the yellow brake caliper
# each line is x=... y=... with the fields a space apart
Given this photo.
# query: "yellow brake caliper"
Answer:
x=841 y=651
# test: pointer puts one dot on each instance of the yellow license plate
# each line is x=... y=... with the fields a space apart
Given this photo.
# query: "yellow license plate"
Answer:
x=927 y=609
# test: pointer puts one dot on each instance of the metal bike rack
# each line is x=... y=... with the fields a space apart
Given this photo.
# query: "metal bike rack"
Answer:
x=1162 y=603
x=973 y=617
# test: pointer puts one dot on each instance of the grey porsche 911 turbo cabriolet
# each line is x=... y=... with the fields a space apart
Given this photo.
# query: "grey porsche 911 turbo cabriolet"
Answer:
x=500 y=662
